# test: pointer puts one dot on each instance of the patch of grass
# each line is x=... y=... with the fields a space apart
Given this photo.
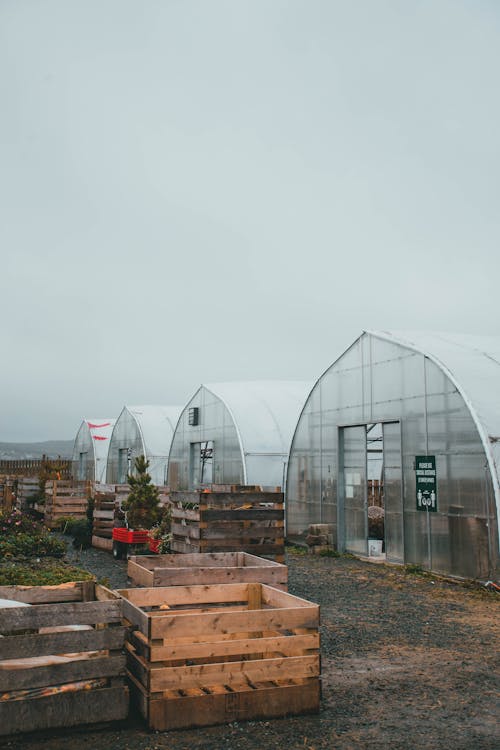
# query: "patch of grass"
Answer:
x=415 y=569
x=297 y=550
x=43 y=572
x=329 y=553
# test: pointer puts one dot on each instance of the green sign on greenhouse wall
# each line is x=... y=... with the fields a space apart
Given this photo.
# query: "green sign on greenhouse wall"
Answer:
x=426 y=483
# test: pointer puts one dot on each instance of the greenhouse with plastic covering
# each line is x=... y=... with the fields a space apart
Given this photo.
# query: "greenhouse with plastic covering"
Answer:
x=90 y=450
x=236 y=433
x=142 y=430
x=399 y=444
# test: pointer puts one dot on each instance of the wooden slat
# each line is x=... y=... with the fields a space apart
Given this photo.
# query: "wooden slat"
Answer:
x=187 y=577
x=64 y=592
x=225 y=673
x=102 y=543
x=290 y=645
x=181 y=595
x=139 y=575
x=58 y=674
x=235 y=531
x=81 y=613
x=193 y=532
x=71 y=641
x=187 y=514
x=134 y=615
x=234 y=622
x=275 y=598
x=242 y=515
x=64 y=710
x=165 y=715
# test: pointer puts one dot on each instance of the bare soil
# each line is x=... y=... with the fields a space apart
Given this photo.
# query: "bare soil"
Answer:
x=408 y=661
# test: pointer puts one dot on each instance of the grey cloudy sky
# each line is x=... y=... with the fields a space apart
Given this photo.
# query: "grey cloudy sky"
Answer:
x=204 y=190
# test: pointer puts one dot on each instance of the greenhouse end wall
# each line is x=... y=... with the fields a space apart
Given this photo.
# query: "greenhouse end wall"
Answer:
x=125 y=446
x=216 y=429
x=377 y=381
x=83 y=461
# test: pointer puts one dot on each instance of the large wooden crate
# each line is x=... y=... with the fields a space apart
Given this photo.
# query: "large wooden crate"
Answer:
x=65 y=498
x=103 y=514
x=205 y=568
x=61 y=660
x=229 y=521
x=201 y=655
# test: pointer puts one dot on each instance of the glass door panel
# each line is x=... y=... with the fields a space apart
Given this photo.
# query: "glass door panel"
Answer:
x=355 y=486
x=393 y=500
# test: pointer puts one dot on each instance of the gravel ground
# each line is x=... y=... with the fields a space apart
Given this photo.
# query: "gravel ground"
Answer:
x=408 y=661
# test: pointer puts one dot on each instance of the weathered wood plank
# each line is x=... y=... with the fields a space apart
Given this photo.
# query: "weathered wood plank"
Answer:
x=58 y=674
x=193 y=532
x=64 y=592
x=182 y=595
x=234 y=622
x=286 y=645
x=71 y=641
x=251 y=514
x=68 y=613
x=227 y=673
x=64 y=710
x=187 y=577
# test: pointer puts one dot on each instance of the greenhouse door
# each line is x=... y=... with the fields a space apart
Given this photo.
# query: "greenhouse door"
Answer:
x=201 y=464
x=354 y=485
x=82 y=466
x=124 y=464
x=393 y=495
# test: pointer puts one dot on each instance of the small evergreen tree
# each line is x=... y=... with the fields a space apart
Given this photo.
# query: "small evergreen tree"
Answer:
x=142 y=505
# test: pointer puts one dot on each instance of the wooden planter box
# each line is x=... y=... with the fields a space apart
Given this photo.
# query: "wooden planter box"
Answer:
x=61 y=660
x=65 y=498
x=205 y=568
x=203 y=655
x=229 y=522
x=103 y=514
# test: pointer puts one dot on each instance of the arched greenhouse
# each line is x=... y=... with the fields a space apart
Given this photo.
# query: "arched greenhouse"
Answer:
x=90 y=449
x=142 y=430
x=408 y=425
x=236 y=433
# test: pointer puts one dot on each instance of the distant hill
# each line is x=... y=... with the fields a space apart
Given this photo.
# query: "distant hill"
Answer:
x=49 y=448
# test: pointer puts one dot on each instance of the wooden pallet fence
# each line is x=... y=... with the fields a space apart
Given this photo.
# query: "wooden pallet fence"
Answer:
x=103 y=514
x=27 y=488
x=32 y=467
x=61 y=659
x=65 y=498
x=164 y=495
x=229 y=522
x=7 y=492
x=103 y=517
x=205 y=568
x=202 y=655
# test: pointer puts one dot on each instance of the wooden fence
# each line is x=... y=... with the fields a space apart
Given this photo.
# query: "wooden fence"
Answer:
x=32 y=467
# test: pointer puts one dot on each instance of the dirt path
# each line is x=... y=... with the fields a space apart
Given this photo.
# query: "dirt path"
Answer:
x=408 y=662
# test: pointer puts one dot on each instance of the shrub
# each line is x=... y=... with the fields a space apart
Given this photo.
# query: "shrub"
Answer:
x=15 y=522
x=31 y=545
x=81 y=533
x=22 y=536
x=142 y=504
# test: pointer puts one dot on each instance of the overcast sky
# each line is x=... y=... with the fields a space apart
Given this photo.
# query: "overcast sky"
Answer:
x=203 y=190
